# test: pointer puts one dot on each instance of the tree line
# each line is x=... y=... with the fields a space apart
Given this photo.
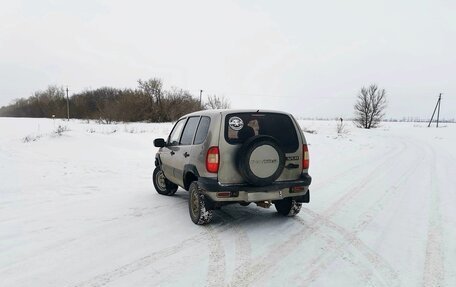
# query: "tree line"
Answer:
x=149 y=101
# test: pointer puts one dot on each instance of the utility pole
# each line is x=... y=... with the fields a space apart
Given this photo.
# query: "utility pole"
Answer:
x=438 y=111
x=201 y=95
x=68 y=105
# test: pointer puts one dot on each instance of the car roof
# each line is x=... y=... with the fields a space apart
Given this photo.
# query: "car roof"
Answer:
x=224 y=112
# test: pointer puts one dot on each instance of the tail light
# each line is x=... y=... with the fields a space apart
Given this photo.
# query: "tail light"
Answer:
x=305 y=157
x=213 y=159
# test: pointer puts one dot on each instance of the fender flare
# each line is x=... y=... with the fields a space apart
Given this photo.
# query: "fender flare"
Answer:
x=190 y=170
x=157 y=160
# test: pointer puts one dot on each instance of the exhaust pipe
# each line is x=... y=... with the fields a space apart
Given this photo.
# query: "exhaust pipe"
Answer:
x=264 y=204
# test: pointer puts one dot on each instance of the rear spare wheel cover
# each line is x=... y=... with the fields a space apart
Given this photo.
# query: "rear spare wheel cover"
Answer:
x=264 y=161
x=260 y=160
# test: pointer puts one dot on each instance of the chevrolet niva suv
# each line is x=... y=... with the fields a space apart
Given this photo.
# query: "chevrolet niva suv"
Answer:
x=234 y=156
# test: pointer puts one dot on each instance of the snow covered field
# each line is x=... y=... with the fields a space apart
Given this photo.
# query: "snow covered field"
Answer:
x=79 y=209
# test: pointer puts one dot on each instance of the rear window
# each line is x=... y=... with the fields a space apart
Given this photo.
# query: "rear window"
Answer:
x=189 y=131
x=203 y=128
x=241 y=126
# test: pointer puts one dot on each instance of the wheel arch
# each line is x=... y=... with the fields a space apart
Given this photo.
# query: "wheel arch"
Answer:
x=157 y=160
x=190 y=174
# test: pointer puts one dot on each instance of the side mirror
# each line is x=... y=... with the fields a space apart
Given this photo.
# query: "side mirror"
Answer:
x=159 y=142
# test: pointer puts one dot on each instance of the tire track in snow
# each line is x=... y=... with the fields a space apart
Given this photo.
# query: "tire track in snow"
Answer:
x=389 y=275
x=242 y=244
x=217 y=261
x=124 y=270
x=255 y=268
x=243 y=250
x=330 y=180
x=143 y=262
x=336 y=246
x=216 y=271
x=377 y=172
x=433 y=266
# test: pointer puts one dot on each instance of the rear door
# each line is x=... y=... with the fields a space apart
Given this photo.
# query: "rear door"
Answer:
x=238 y=127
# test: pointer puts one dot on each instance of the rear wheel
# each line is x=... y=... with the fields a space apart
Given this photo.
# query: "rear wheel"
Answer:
x=288 y=206
x=162 y=185
x=197 y=205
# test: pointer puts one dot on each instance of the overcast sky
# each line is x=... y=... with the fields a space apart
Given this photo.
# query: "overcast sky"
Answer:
x=306 y=57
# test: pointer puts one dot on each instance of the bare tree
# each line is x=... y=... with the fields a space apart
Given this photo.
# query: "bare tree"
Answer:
x=370 y=107
x=178 y=102
x=215 y=102
x=152 y=87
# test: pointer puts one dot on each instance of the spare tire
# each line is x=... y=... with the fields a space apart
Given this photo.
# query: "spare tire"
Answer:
x=260 y=160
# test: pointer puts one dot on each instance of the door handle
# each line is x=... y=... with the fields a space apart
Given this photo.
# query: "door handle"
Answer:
x=186 y=154
x=172 y=152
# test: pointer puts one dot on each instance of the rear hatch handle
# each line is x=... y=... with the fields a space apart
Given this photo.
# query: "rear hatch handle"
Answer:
x=291 y=166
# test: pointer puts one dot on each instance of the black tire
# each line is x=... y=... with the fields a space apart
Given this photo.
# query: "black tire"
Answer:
x=198 y=206
x=288 y=206
x=244 y=160
x=162 y=185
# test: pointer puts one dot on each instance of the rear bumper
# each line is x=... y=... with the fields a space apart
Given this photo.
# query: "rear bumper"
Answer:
x=248 y=193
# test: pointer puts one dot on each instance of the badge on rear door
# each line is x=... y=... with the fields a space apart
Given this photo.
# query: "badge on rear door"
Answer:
x=235 y=123
x=292 y=157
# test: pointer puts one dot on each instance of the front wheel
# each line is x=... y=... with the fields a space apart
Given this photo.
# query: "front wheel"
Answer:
x=197 y=205
x=162 y=185
x=288 y=206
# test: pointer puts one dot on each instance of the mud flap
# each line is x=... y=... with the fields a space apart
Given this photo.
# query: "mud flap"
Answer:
x=303 y=198
x=210 y=204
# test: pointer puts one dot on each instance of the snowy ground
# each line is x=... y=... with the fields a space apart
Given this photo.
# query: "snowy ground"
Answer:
x=79 y=209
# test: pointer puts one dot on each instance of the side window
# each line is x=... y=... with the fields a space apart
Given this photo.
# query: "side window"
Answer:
x=176 y=132
x=189 y=131
x=203 y=128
